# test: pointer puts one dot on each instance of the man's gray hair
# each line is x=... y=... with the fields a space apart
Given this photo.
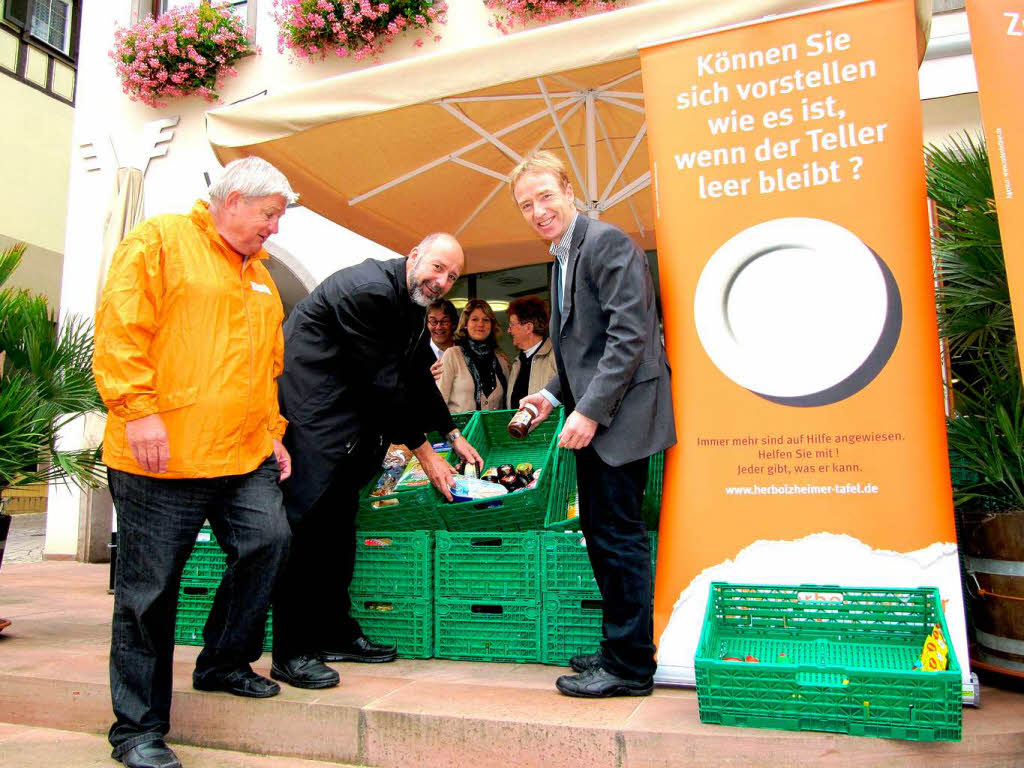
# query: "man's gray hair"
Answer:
x=253 y=177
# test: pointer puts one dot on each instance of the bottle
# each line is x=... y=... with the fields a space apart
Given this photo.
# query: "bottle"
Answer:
x=521 y=422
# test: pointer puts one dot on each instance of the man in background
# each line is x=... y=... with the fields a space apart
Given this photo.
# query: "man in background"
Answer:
x=188 y=349
x=535 y=364
x=442 y=317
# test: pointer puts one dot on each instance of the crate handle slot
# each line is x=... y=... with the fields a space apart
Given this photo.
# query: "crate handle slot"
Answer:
x=591 y=605
x=375 y=542
x=490 y=504
x=488 y=541
x=378 y=605
x=493 y=609
x=196 y=590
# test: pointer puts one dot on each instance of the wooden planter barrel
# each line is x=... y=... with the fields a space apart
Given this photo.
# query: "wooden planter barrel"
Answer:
x=992 y=545
x=5 y=526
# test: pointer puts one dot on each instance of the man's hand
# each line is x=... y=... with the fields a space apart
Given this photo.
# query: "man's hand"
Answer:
x=437 y=369
x=437 y=469
x=468 y=453
x=284 y=460
x=147 y=437
x=543 y=406
x=577 y=432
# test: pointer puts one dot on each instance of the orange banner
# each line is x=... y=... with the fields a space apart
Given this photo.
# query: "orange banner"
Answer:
x=997 y=40
x=795 y=267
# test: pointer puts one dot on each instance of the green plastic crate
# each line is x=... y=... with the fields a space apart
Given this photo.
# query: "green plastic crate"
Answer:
x=960 y=475
x=851 y=653
x=407 y=623
x=652 y=492
x=571 y=627
x=195 y=599
x=207 y=561
x=394 y=564
x=501 y=565
x=487 y=630
x=557 y=518
x=566 y=564
x=415 y=509
x=525 y=509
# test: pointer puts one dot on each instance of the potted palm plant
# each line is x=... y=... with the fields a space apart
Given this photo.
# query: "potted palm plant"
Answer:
x=45 y=382
x=986 y=429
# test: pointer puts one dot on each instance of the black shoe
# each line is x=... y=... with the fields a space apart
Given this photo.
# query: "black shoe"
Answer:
x=585 y=661
x=599 y=683
x=150 y=754
x=240 y=682
x=362 y=650
x=304 y=672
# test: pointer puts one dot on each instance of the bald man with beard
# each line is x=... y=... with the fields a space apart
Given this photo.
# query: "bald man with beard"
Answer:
x=350 y=387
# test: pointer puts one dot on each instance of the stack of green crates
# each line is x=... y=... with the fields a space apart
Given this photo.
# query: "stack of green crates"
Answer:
x=487 y=596
x=828 y=658
x=570 y=600
x=392 y=589
x=199 y=582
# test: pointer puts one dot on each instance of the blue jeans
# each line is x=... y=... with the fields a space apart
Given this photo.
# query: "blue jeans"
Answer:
x=157 y=522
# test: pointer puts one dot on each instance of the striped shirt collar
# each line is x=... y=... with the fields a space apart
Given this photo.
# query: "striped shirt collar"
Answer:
x=560 y=250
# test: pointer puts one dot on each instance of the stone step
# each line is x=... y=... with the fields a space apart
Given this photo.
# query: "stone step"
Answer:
x=423 y=713
x=24 y=746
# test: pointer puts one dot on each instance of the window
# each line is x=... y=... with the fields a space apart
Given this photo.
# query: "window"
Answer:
x=238 y=7
x=243 y=9
x=49 y=21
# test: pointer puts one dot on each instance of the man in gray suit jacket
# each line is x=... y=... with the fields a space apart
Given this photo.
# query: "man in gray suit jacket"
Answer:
x=614 y=381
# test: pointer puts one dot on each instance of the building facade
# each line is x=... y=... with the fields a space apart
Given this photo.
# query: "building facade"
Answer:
x=169 y=145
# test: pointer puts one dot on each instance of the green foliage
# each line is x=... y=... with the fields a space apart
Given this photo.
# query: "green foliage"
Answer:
x=46 y=382
x=986 y=434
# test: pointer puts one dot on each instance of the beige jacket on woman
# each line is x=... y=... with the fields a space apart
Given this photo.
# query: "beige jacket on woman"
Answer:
x=542 y=368
x=456 y=383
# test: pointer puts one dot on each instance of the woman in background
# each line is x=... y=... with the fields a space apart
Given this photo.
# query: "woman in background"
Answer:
x=474 y=373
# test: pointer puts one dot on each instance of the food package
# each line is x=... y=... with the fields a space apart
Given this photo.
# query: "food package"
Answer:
x=471 y=488
x=415 y=476
x=934 y=655
x=573 y=509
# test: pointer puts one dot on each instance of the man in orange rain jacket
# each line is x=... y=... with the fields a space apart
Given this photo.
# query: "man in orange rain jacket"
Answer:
x=188 y=349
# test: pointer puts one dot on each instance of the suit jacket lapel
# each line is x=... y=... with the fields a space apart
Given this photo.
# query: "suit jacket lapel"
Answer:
x=568 y=287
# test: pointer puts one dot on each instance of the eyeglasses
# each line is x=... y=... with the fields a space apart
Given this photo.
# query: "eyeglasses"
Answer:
x=435 y=323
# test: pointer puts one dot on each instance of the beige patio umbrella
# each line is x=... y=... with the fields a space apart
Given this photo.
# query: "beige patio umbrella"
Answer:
x=396 y=151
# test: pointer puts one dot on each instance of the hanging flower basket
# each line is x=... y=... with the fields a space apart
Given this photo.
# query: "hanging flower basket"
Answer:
x=315 y=28
x=511 y=13
x=183 y=51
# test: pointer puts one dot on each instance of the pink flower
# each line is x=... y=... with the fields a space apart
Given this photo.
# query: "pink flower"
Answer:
x=357 y=28
x=151 y=53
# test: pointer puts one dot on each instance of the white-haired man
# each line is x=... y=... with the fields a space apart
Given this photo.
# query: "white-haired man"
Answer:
x=352 y=383
x=188 y=349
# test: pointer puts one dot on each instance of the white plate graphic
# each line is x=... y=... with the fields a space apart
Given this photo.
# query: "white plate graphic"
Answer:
x=798 y=310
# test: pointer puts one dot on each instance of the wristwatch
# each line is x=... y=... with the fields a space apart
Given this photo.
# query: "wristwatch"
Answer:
x=452 y=436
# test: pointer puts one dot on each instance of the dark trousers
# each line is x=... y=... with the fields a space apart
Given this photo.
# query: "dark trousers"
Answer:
x=312 y=609
x=620 y=554
x=157 y=523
